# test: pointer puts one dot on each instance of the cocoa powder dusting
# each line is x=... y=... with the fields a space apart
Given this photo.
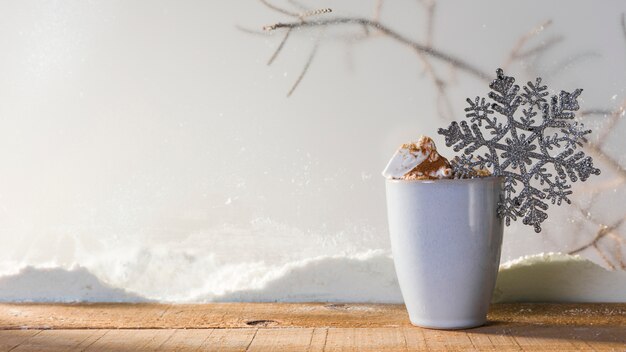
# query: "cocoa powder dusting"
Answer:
x=427 y=170
x=433 y=167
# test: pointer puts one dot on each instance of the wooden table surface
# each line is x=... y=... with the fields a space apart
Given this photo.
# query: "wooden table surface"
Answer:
x=302 y=327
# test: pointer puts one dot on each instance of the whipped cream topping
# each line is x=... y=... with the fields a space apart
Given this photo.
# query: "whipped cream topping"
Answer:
x=418 y=161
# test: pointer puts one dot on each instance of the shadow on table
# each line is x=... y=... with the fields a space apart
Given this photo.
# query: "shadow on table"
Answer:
x=553 y=331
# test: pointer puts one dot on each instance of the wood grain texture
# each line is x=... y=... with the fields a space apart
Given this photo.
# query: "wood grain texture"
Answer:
x=303 y=327
x=186 y=340
x=9 y=340
x=229 y=340
x=60 y=340
x=365 y=340
x=318 y=340
x=290 y=339
x=263 y=315
x=296 y=339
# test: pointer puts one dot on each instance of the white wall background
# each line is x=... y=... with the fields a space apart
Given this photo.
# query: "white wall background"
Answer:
x=148 y=142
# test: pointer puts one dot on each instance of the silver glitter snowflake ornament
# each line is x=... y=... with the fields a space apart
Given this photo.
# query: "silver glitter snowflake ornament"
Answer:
x=536 y=151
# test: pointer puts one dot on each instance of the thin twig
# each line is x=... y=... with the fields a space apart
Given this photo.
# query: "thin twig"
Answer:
x=603 y=256
x=568 y=62
x=305 y=69
x=619 y=255
x=280 y=47
x=585 y=212
x=544 y=46
x=618 y=252
x=523 y=40
x=430 y=6
x=445 y=108
x=378 y=9
x=253 y=31
x=589 y=112
x=603 y=231
x=613 y=119
x=599 y=154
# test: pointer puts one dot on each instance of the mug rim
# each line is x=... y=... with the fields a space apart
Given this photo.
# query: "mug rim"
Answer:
x=449 y=180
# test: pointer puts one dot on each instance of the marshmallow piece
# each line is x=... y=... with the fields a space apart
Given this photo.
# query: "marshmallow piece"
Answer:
x=403 y=161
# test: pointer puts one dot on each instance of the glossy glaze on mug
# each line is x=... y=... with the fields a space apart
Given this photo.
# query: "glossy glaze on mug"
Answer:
x=446 y=239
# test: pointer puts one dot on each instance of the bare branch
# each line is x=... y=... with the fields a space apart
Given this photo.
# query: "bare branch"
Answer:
x=513 y=55
x=305 y=69
x=603 y=256
x=445 y=108
x=279 y=48
x=430 y=6
x=603 y=231
x=618 y=252
x=598 y=153
x=544 y=46
x=613 y=119
x=378 y=10
x=568 y=62
x=601 y=112
x=253 y=31
x=459 y=63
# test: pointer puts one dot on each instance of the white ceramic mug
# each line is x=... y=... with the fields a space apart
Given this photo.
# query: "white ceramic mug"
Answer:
x=446 y=239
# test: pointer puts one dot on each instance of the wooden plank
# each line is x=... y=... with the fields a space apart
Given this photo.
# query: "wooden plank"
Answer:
x=186 y=340
x=60 y=340
x=318 y=340
x=570 y=338
x=493 y=341
x=415 y=340
x=229 y=340
x=545 y=338
x=529 y=338
x=288 y=339
x=493 y=336
x=441 y=340
x=161 y=337
x=10 y=339
x=368 y=339
x=306 y=315
x=603 y=338
x=81 y=316
x=130 y=339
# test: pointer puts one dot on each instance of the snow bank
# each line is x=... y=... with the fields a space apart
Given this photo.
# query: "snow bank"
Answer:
x=369 y=277
x=364 y=277
x=554 y=277
x=60 y=285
